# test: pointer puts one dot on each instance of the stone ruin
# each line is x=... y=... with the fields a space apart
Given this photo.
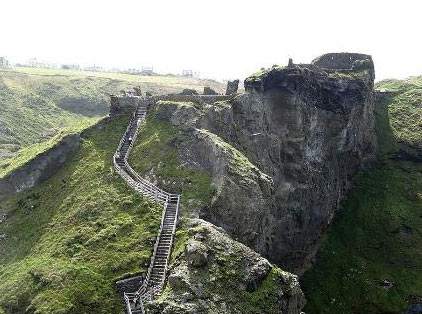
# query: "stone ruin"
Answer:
x=344 y=61
x=209 y=91
x=291 y=64
x=188 y=91
x=127 y=101
x=232 y=87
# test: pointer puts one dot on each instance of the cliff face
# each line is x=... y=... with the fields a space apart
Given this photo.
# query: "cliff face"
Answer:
x=282 y=155
x=310 y=132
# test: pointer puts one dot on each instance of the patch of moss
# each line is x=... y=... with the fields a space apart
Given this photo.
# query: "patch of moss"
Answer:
x=257 y=76
x=265 y=299
x=346 y=74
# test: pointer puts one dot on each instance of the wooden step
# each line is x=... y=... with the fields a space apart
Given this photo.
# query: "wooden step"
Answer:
x=158 y=271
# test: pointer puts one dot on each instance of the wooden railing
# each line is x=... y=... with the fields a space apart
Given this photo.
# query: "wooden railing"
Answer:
x=154 y=193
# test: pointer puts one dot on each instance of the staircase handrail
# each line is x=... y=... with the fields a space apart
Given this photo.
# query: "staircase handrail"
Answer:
x=145 y=283
x=171 y=239
x=145 y=187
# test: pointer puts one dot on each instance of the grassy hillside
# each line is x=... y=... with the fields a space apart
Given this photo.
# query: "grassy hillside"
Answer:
x=372 y=259
x=38 y=105
x=66 y=241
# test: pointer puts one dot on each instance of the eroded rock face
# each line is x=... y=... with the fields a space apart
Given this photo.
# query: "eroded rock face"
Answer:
x=123 y=105
x=40 y=168
x=209 y=91
x=302 y=133
x=196 y=254
x=310 y=132
x=234 y=279
x=232 y=87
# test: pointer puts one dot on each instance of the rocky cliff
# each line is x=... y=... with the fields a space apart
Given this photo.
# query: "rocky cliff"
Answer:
x=211 y=273
x=282 y=155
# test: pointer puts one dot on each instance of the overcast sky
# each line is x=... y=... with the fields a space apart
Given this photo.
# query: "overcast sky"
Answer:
x=221 y=39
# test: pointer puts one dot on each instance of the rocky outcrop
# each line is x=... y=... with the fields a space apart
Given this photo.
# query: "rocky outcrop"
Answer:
x=209 y=91
x=299 y=134
x=310 y=131
x=39 y=168
x=211 y=273
x=189 y=91
x=123 y=105
x=232 y=87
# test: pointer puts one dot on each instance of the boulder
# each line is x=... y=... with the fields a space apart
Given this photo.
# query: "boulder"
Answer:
x=196 y=254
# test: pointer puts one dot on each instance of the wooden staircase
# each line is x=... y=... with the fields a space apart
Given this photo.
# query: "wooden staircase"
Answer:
x=156 y=275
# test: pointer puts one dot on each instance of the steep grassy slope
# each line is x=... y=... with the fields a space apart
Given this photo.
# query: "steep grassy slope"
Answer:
x=155 y=156
x=37 y=105
x=372 y=259
x=66 y=241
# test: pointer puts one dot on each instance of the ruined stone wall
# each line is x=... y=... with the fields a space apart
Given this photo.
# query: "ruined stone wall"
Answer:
x=125 y=105
x=122 y=104
x=208 y=99
x=341 y=61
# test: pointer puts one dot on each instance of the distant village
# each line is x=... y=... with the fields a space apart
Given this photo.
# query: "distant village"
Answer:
x=145 y=71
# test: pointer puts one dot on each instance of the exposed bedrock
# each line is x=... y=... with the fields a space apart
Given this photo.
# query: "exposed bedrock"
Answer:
x=43 y=165
x=310 y=133
x=299 y=135
x=211 y=273
x=39 y=168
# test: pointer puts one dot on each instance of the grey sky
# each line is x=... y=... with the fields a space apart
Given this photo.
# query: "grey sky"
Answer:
x=221 y=39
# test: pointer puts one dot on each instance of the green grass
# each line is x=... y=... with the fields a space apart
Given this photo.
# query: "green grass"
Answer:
x=69 y=239
x=156 y=152
x=38 y=104
x=156 y=84
x=377 y=235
